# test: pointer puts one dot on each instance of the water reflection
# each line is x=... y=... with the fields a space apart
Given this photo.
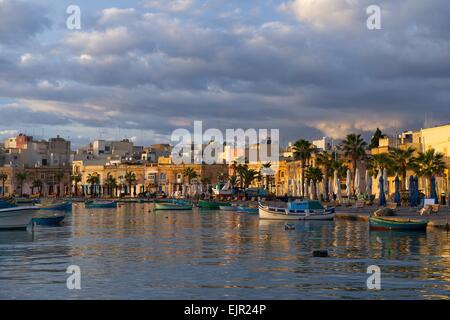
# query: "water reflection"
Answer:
x=129 y=252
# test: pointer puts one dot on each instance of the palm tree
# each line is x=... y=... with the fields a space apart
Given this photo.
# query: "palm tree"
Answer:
x=93 y=179
x=325 y=160
x=3 y=177
x=354 y=148
x=303 y=150
x=241 y=169
x=428 y=164
x=111 y=183
x=233 y=180
x=402 y=160
x=316 y=175
x=221 y=177
x=21 y=177
x=76 y=178
x=340 y=167
x=248 y=176
x=37 y=183
x=190 y=174
x=130 y=178
x=379 y=162
x=265 y=168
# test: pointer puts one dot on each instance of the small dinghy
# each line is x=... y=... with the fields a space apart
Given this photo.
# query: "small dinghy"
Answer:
x=297 y=210
x=49 y=219
x=100 y=204
x=379 y=223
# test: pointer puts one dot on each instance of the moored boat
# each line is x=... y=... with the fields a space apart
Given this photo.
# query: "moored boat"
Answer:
x=205 y=204
x=175 y=205
x=379 y=223
x=100 y=204
x=57 y=206
x=49 y=219
x=297 y=210
x=16 y=217
x=246 y=209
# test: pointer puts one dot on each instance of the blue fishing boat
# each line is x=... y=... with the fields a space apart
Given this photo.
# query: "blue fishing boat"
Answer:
x=57 y=206
x=49 y=219
x=100 y=204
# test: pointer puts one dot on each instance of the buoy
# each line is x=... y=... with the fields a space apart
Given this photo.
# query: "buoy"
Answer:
x=320 y=253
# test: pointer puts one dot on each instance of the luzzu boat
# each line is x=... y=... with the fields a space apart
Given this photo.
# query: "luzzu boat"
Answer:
x=57 y=206
x=379 y=223
x=100 y=204
x=49 y=218
x=174 y=205
x=297 y=210
x=227 y=208
x=246 y=209
x=205 y=204
x=13 y=217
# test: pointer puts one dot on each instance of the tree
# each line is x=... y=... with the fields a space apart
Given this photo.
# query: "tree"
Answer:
x=375 y=142
x=3 y=177
x=76 y=178
x=248 y=176
x=265 y=169
x=402 y=159
x=340 y=167
x=325 y=160
x=130 y=178
x=190 y=174
x=93 y=179
x=241 y=169
x=111 y=184
x=303 y=150
x=354 y=148
x=316 y=175
x=37 y=183
x=222 y=176
x=428 y=164
x=21 y=177
x=379 y=162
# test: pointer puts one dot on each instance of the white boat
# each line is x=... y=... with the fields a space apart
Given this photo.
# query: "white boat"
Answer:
x=16 y=217
x=298 y=210
x=223 y=190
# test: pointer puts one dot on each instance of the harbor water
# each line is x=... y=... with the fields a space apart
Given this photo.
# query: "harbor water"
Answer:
x=131 y=253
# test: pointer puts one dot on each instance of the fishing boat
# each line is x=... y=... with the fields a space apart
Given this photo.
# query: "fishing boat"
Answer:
x=297 y=210
x=100 y=204
x=49 y=218
x=246 y=209
x=57 y=206
x=174 y=205
x=205 y=204
x=222 y=189
x=13 y=217
x=378 y=223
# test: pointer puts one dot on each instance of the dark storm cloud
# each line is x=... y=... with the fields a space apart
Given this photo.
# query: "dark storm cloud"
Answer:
x=307 y=69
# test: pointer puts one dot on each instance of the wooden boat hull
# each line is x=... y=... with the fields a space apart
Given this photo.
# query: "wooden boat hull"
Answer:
x=99 y=205
x=211 y=205
x=173 y=206
x=17 y=218
x=284 y=214
x=49 y=220
x=377 y=223
x=65 y=206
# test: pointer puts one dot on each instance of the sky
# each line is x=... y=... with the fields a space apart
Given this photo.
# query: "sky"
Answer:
x=140 y=69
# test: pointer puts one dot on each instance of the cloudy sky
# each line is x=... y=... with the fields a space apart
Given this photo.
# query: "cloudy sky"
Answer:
x=139 y=69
